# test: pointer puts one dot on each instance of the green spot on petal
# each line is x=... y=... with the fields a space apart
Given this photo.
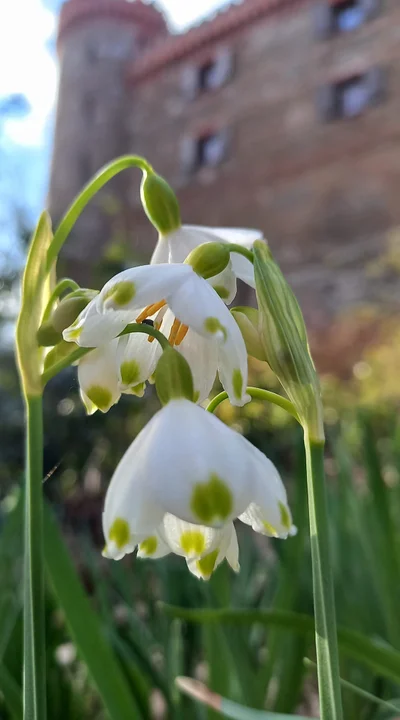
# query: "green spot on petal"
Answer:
x=213 y=325
x=149 y=546
x=196 y=396
x=221 y=291
x=130 y=372
x=211 y=501
x=100 y=397
x=237 y=383
x=121 y=293
x=285 y=516
x=119 y=533
x=138 y=390
x=206 y=564
x=269 y=529
x=192 y=542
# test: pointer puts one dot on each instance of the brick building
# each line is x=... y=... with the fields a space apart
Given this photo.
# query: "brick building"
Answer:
x=277 y=114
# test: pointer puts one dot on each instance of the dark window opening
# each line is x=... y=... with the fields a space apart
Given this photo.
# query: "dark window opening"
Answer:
x=344 y=16
x=210 y=149
x=350 y=97
x=349 y=15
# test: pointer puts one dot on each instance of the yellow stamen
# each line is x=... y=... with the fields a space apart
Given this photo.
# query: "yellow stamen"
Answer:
x=181 y=334
x=150 y=310
x=174 y=331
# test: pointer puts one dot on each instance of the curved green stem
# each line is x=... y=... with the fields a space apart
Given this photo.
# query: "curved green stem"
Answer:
x=259 y=394
x=80 y=352
x=240 y=250
x=324 y=601
x=34 y=677
x=64 y=284
x=80 y=202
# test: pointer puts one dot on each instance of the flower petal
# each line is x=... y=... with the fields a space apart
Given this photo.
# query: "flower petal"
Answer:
x=202 y=356
x=92 y=329
x=140 y=286
x=161 y=251
x=136 y=360
x=233 y=366
x=204 y=567
x=153 y=547
x=196 y=469
x=98 y=380
x=187 y=539
x=224 y=284
x=197 y=305
x=268 y=513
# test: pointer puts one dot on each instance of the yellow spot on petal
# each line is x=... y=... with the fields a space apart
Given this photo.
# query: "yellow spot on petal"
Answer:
x=130 y=372
x=74 y=332
x=99 y=396
x=213 y=325
x=119 y=533
x=121 y=293
x=149 y=546
x=237 y=383
x=269 y=529
x=211 y=501
x=192 y=542
x=206 y=564
x=138 y=390
x=286 y=520
x=196 y=396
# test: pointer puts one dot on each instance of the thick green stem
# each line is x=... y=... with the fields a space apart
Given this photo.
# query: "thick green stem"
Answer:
x=80 y=202
x=34 y=679
x=324 y=602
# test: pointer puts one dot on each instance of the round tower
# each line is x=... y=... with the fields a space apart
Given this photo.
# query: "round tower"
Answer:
x=98 y=40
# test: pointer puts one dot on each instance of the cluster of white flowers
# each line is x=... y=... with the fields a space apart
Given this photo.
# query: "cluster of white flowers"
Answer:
x=186 y=476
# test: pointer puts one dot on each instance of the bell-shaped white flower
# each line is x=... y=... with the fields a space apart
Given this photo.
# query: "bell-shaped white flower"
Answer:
x=187 y=467
x=98 y=379
x=194 y=307
x=175 y=246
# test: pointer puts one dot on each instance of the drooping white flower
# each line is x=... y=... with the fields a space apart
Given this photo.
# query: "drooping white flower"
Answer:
x=98 y=379
x=178 y=299
x=175 y=246
x=181 y=483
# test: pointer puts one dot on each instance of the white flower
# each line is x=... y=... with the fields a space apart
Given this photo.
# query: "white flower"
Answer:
x=176 y=246
x=180 y=485
x=98 y=379
x=184 y=306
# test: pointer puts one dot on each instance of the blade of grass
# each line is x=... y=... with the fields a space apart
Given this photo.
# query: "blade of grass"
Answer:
x=225 y=707
x=381 y=658
x=84 y=626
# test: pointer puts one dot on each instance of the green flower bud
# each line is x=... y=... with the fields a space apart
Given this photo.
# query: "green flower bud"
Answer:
x=160 y=203
x=284 y=338
x=173 y=377
x=70 y=307
x=248 y=320
x=209 y=259
x=47 y=335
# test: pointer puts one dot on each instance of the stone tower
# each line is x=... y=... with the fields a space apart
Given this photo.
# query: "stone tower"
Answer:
x=97 y=41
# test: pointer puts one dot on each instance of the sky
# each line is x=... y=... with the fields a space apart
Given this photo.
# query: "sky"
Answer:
x=28 y=66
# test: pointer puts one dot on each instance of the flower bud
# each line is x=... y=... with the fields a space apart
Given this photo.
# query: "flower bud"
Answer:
x=209 y=259
x=160 y=203
x=284 y=338
x=248 y=320
x=47 y=335
x=173 y=377
x=70 y=307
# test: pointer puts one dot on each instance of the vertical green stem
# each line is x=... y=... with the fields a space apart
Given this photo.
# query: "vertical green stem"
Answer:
x=34 y=680
x=324 y=602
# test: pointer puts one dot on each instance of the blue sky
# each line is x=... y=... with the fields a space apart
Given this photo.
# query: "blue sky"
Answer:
x=27 y=66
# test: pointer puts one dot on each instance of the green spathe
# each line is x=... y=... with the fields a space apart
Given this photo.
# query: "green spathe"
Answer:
x=160 y=203
x=173 y=377
x=209 y=259
x=284 y=339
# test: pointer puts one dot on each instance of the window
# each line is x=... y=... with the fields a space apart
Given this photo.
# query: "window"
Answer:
x=210 y=75
x=206 y=150
x=351 y=96
x=340 y=16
